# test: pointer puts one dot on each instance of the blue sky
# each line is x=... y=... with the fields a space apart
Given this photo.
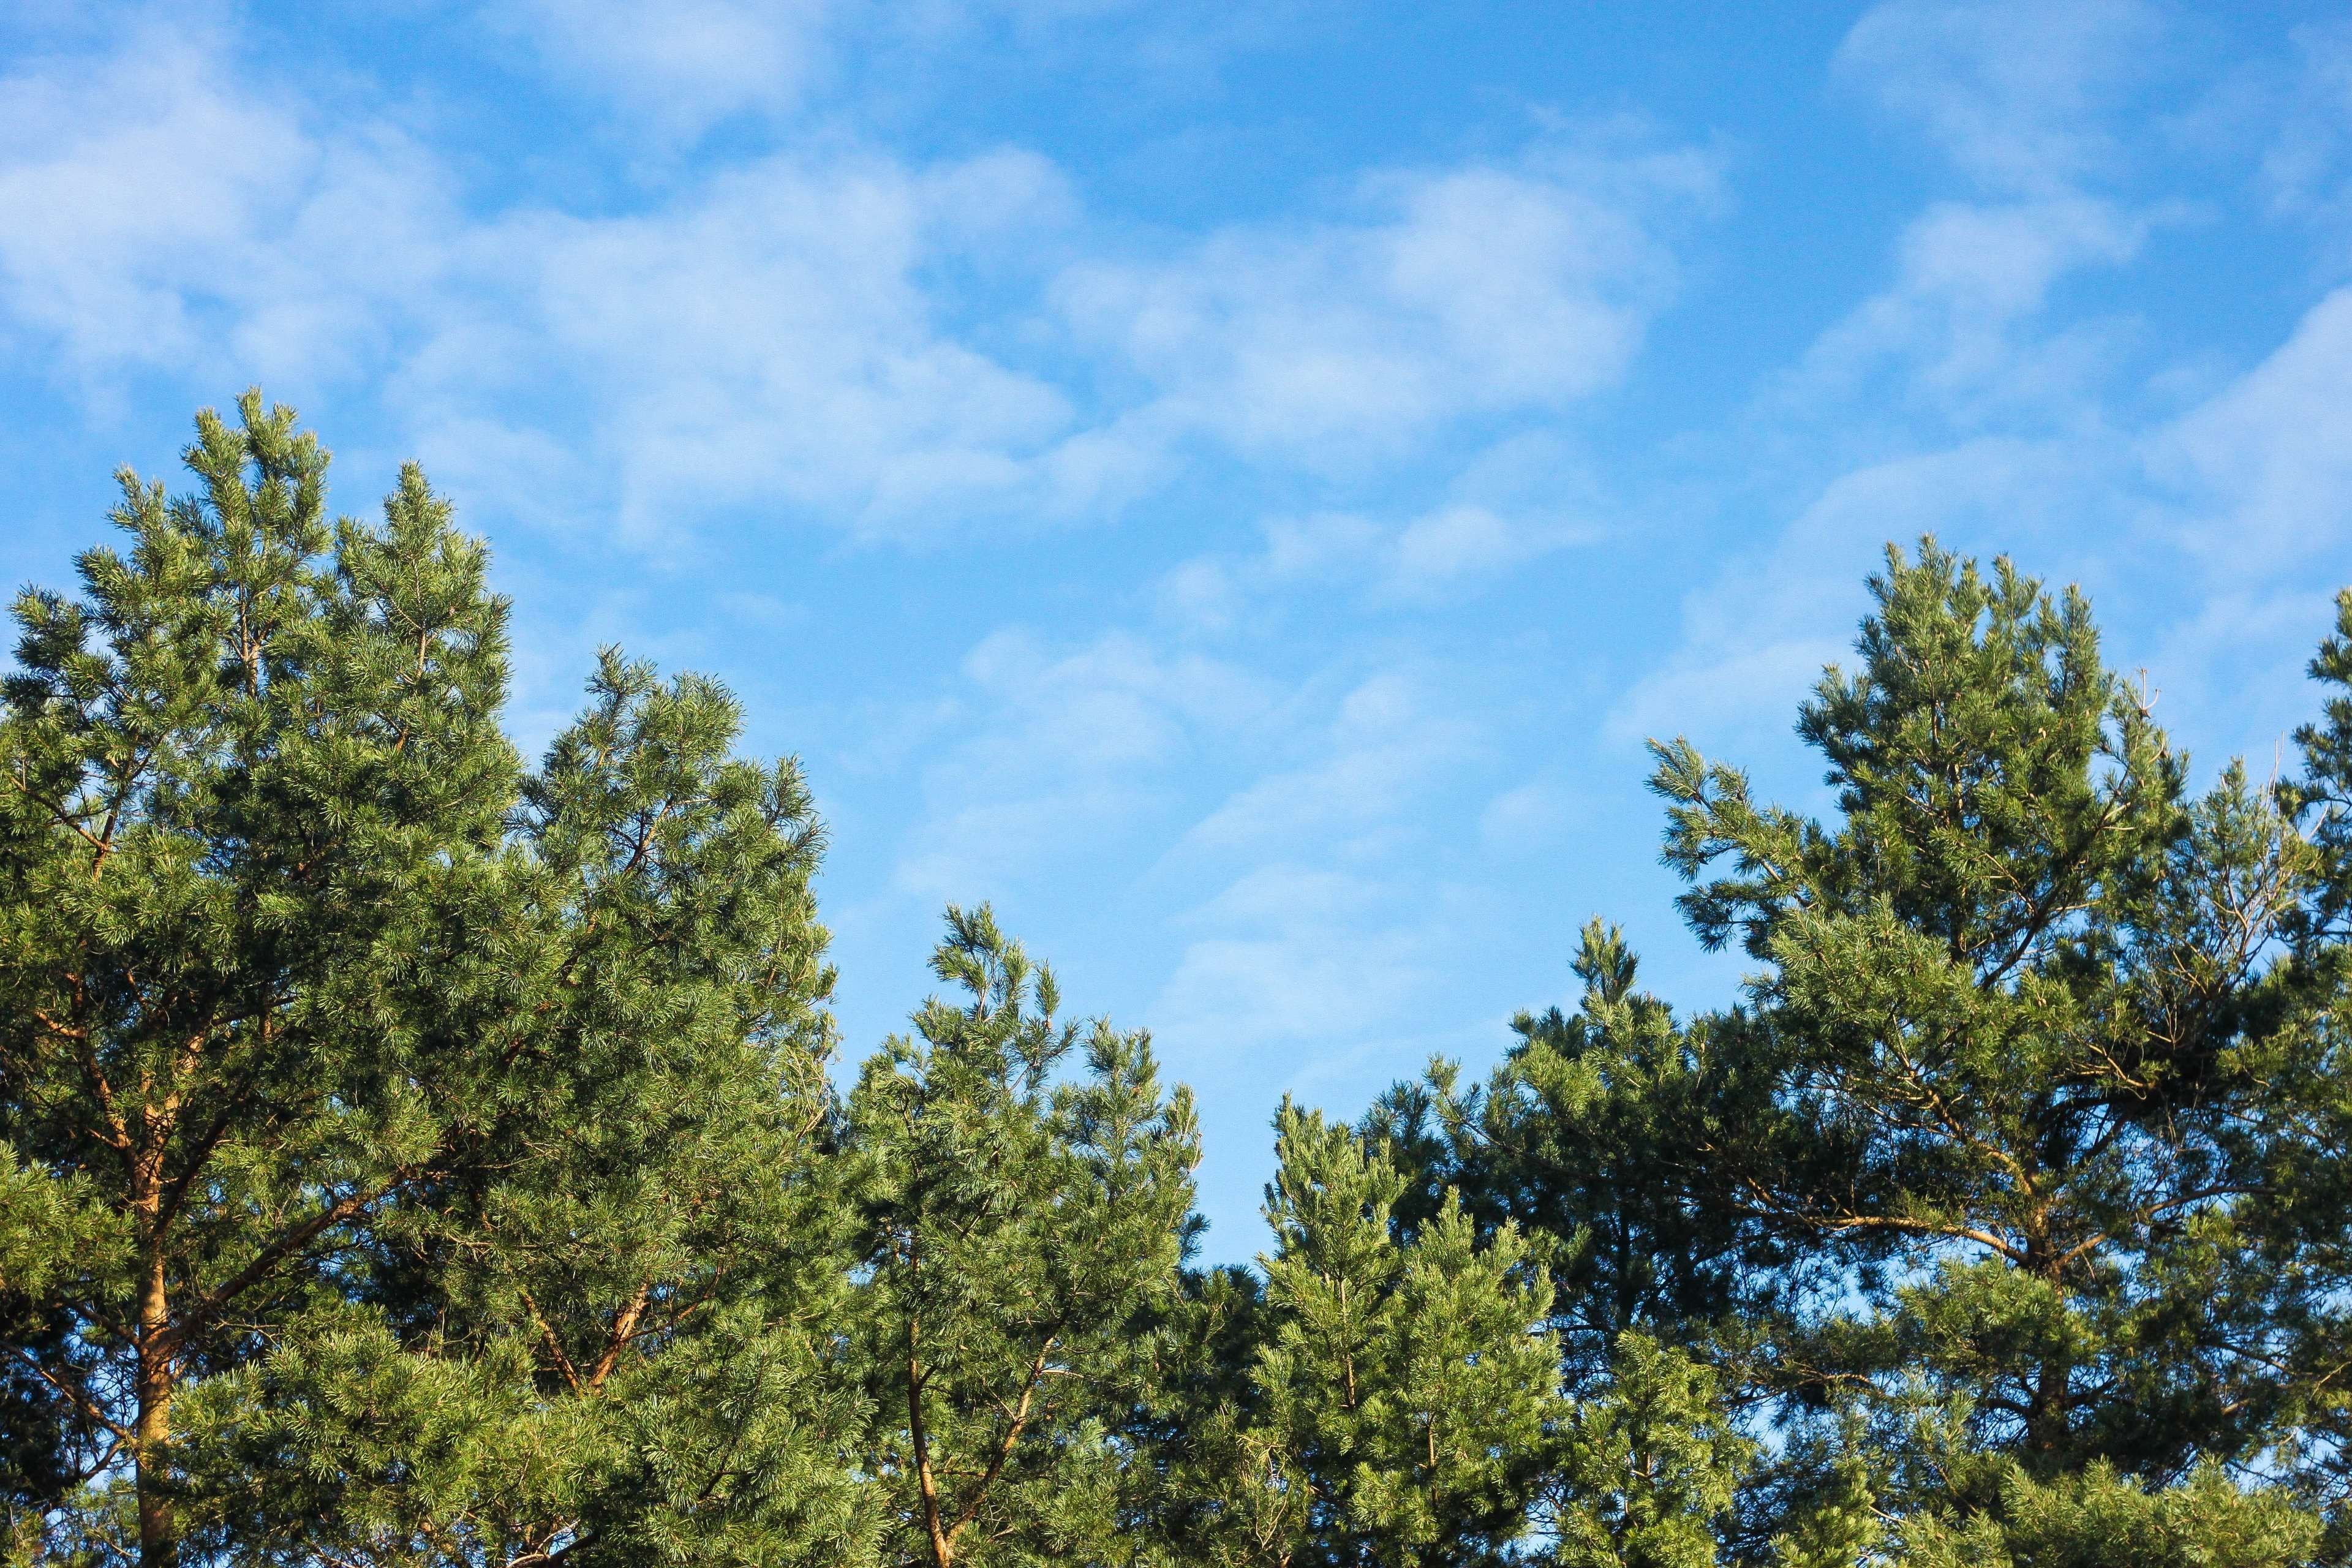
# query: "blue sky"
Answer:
x=1233 y=485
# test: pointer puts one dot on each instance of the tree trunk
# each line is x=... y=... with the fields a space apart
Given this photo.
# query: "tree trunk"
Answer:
x=942 y=1539
x=2045 y=1421
x=2046 y=1425
x=159 y=1545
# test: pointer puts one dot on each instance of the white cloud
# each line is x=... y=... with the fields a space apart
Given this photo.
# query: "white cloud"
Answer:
x=1112 y=702
x=1435 y=558
x=1052 y=750
x=759 y=341
x=158 y=217
x=2025 y=99
x=1961 y=323
x=1390 y=741
x=1291 y=964
x=673 y=74
x=1327 y=985
x=2229 y=672
x=775 y=340
x=2266 y=464
x=1299 y=928
x=1452 y=293
x=1458 y=542
x=1532 y=815
x=691 y=64
x=1968 y=337
x=2306 y=169
x=1045 y=748
x=1212 y=592
x=765 y=343
x=2017 y=92
x=2213 y=513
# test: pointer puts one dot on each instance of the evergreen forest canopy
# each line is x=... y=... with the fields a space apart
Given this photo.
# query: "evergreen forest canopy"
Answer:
x=410 y=1155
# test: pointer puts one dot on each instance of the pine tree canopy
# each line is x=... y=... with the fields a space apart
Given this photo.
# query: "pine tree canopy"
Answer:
x=411 y=1155
x=1013 y=1225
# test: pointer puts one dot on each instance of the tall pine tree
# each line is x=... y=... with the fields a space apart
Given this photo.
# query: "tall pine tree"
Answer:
x=247 y=774
x=1020 y=1228
x=2002 y=1017
x=407 y=1160
x=614 y=1333
x=1403 y=1401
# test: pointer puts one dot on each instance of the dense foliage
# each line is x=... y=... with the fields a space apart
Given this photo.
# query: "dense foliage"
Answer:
x=411 y=1156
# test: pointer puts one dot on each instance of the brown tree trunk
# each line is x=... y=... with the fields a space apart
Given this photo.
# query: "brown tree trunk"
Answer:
x=942 y=1539
x=2045 y=1422
x=159 y=1545
x=2045 y=1425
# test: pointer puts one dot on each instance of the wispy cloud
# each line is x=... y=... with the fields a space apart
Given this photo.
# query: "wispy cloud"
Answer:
x=1050 y=754
x=2264 y=466
x=2026 y=102
x=1430 y=559
x=759 y=339
x=163 y=214
x=1973 y=396
x=2306 y=165
x=1757 y=637
x=1443 y=294
x=696 y=64
x=763 y=342
x=1387 y=740
x=1962 y=326
x=773 y=337
x=2020 y=94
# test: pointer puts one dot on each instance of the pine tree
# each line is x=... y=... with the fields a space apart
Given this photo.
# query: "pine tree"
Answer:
x=2095 y=1518
x=1591 y=1138
x=1403 y=1397
x=634 y=1284
x=2322 y=796
x=407 y=1160
x=2302 y=1220
x=1589 y=1134
x=2024 y=1156
x=246 y=775
x=1651 y=1466
x=1019 y=1230
x=2006 y=1022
